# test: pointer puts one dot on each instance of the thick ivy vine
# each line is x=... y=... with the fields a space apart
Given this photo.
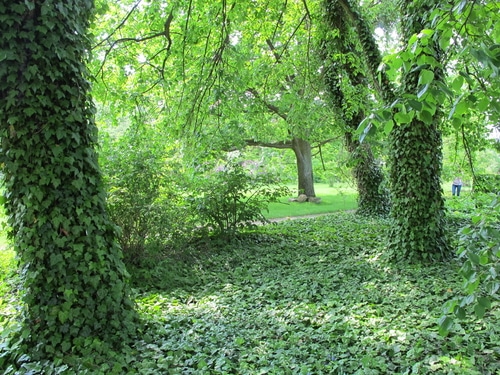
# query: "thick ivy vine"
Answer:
x=74 y=281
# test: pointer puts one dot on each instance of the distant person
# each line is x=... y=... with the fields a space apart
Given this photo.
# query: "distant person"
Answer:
x=456 y=186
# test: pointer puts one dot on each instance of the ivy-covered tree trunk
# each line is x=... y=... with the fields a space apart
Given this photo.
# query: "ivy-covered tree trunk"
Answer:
x=373 y=196
x=418 y=216
x=303 y=154
x=343 y=52
x=75 y=289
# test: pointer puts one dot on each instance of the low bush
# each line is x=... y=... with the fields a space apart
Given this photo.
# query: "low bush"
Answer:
x=487 y=183
x=479 y=251
x=229 y=198
x=145 y=194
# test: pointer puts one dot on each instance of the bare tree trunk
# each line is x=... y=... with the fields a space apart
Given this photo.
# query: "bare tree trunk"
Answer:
x=302 y=150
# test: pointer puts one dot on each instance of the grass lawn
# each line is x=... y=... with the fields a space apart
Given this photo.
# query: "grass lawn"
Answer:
x=340 y=197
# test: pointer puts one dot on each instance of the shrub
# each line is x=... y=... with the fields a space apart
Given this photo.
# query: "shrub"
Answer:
x=487 y=183
x=479 y=249
x=229 y=198
x=144 y=195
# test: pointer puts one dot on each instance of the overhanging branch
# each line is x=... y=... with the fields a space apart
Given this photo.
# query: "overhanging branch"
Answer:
x=272 y=108
x=164 y=33
x=281 y=145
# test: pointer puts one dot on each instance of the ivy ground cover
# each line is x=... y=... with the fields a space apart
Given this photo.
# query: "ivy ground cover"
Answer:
x=310 y=296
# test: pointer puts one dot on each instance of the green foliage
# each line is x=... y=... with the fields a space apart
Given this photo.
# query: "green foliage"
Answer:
x=479 y=251
x=418 y=216
x=74 y=283
x=373 y=194
x=467 y=204
x=145 y=195
x=219 y=84
x=229 y=198
x=486 y=183
x=298 y=297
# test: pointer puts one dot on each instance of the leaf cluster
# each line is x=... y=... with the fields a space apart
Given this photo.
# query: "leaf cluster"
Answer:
x=230 y=198
x=479 y=249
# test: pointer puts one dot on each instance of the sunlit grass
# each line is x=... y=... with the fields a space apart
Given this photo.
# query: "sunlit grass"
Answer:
x=340 y=197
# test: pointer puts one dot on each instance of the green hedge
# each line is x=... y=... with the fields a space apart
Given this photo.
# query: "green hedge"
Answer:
x=487 y=183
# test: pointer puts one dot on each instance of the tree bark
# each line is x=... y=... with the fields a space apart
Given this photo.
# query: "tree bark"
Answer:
x=303 y=154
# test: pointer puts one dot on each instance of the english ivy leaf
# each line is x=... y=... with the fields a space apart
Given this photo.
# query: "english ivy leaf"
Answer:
x=476 y=219
x=444 y=40
x=457 y=83
x=423 y=90
x=415 y=104
x=474 y=258
x=445 y=324
x=404 y=118
x=479 y=310
x=426 y=117
x=388 y=126
x=57 y=150
x=425 y=77
x=484 y=301
x=460 y=312
x=458 y=109
x=457 y=122
x=483 y=104
x=63 y=316
x=492 y=287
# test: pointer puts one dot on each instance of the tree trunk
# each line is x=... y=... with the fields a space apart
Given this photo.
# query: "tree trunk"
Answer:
x=373 y=196
x=418 y=227
x=74 y=281
x=303 y=154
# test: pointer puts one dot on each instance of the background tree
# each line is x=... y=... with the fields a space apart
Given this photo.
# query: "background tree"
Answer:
x=353 y=96
x=470 y=35
x=75 y=288
x=252 y=86
x=441 y=38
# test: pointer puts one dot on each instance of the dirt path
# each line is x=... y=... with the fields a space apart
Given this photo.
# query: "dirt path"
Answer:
x=279 y=219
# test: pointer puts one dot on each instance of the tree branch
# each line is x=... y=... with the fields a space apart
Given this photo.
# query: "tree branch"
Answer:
x=324 y=142
x=281 y=145
x=119 y=26
x=272 y=108
x=165 y=32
